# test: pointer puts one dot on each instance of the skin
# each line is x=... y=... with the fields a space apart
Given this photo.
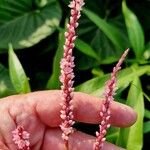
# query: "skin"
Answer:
x=39 y=113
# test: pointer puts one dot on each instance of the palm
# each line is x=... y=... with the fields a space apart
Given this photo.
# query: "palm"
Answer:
x=39 y=114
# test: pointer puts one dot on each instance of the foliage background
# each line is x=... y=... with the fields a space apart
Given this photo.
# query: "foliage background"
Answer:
x=34 y=29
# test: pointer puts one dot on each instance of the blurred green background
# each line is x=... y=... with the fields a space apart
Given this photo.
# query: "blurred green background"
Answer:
x=31 y=46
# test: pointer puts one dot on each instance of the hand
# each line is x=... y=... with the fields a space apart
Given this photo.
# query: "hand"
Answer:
x=39 y=113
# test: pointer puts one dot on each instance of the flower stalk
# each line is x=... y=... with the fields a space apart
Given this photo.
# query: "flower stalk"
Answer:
x=67 y=74
x=105 y=113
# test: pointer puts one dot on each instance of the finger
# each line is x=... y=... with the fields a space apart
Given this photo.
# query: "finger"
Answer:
x=3 y=146
x=5 y=131
x=77 y=141
x=46 y=104
x=86 y=109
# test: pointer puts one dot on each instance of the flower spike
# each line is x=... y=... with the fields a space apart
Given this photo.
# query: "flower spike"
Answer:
x=67 y=74
x=105 y=113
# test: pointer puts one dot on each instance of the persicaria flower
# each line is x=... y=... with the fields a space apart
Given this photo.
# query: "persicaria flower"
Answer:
x=21 y=138
x=105 y=113
x=67 y=74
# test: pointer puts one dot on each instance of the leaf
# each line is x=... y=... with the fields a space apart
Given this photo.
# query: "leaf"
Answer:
x=6 y=87
x=147 y=114
x=53 y=82
x=132 y=138
x=97 y=72
x=146 y=96
x=17 y=74
x=95 y=86
x=106 y=51
x=147 y=51
x=42 y=3
x=102 y=46
x=146 y=126
x=86 y=49
x=112 y=134
x=24 y=23
x=85 y=62
x=113 y=33
x=135 y=31
x=112 y=137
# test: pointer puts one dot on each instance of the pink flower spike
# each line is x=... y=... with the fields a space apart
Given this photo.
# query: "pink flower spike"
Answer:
x=21 y=138
x=105 y=113
x=67 y=74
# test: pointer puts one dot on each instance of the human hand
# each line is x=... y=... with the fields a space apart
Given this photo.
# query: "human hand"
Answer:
x=39 y=114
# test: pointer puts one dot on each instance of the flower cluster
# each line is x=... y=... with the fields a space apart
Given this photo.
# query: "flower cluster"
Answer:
x=21 y=138
x=105 y=110
x=67 y=75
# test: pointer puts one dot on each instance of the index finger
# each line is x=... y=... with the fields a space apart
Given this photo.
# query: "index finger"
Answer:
x=46 y=105
x=86 y=109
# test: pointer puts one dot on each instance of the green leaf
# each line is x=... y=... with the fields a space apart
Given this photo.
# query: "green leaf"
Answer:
x=146 y=96
x=132 y=138
x=135 y=31
x=112 y=32
x=97 y=72
x=17 y=74
x=23 y=23
x=42 y=3
x=105 y=50
x=85 y=62
x=6 y=87
x=112 y=137
x=86 y=49
x=95 y=86
x=147 y=114
x=147 y=51
x=146 y=126
x=112 y=134
x=53 y=82
x=102 y=46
